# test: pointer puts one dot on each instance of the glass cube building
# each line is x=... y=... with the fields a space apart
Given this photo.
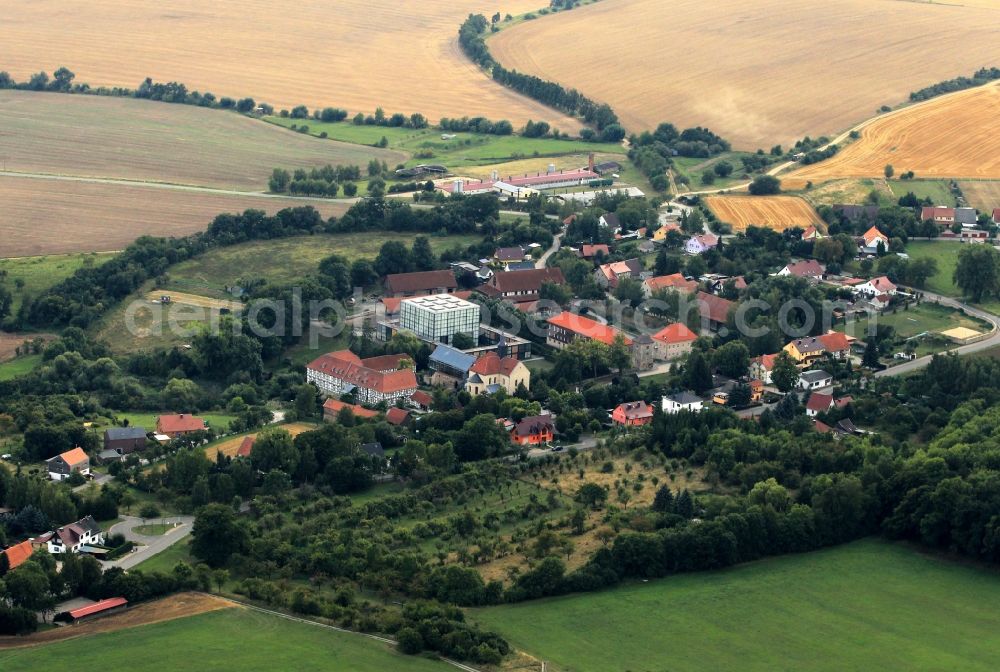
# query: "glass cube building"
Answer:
x=439 y=317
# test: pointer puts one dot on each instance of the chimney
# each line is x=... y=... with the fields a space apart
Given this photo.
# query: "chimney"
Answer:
x=590 y=162
x=458 y=186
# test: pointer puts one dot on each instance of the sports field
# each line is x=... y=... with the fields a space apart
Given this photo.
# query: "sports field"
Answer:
x=955 y=136
x=43 y=216
x=772 y=212
x=148 y=141
x=354 y=54
x=868 y=605
x=763 y=73
x=222 y=640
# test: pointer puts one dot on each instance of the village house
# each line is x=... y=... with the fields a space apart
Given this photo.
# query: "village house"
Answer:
x=608 y=275
x=714 y=310
x=761 y=368
x=333 y=407
x=880 y=286
x=370 y=380
x=811 y=233
x=675 y=282
x=179 y=424
x=533 y=430
x=836 y=344
x=869 y=242
x=716 y=283
x=18 y=554
x=593 y=252
x=809 y=269
x=674 y=341
x=124 y=440
x=819 y=402
x=398 y=416
x=399 y=285
x=939 y=214
x=610 y=220
x=701 y=243
x=566 y=327
x=805 y=351
x=508 y=255
x=814 y=380
x=422 y=401
x=857 y=213
x=521 y=288
x=660 y=235
x=73 y=538
x=967 y=217
x=632 y=414
x=682 y=401
x=492 y=373
x=66 y=464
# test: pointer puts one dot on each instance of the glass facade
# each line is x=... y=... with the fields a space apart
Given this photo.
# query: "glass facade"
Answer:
x=439 y=317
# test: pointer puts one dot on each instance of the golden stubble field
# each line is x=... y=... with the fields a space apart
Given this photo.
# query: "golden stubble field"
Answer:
x=954 y=136
x=772 y=212
x=355 y=54
x=981 y=194
x=45 y=216
x=143 y=140
x=759 y=73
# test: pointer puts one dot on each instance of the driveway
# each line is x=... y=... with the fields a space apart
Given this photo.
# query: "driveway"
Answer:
x=150 y=545
x=588 y=442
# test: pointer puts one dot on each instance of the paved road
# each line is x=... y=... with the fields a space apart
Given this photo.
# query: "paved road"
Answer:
x=588 y=442
x=556 y=244
x=99 y=480
x=151 y=544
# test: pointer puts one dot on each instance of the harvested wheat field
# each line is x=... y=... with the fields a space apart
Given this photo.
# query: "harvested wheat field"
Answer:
x=166 y=609
x=194 y=300
x=757 y=73
x=51 y=216
x=772 y=212
x=955 y=136
x=982 y=195
x=354 y=54
x=148 y=141
x=228 y=447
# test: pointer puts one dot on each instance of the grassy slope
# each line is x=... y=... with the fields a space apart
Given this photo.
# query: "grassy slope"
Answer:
x=865 y=606
x=230 y=639
x=165 y=561
x=40 y=273
x=936 y=190
x=19 y=366
x=147 y=421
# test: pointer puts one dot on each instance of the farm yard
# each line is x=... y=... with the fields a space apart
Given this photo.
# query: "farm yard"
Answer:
x=223 y=639
x=773 y=212
x=955 y=136
x=49 y=216
x=353 y=54
x=869 y=599
x=981 y=194
x=778 y=70
x=148 y=141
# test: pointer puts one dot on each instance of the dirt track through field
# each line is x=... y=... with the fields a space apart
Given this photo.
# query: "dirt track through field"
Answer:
x=354 y=54
x=166 y=609
x=759 y=73
x=772 y=212
x=948 y=137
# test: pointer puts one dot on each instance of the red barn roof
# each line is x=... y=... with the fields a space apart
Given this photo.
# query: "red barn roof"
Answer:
x=168 y=424
x=675 y=333
x=74 y=457
x=715 y=308
x=98 y=607
x=584 y=326
x=335 y=406
x=18 y=554
x=246 y=447
x=397 y=416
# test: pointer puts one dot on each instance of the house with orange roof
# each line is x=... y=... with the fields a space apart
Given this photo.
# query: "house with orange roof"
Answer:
x=660 y=235
x=371 y=380
x=333 y=407
x=871 y=239
x=17 y=555
x=674 y=341
x=492 y=373
x=609 y=275
x=762 y=366
x=66 y=464
x=565 y=328
x=811 y=233
x=397 y=416
x=675 y=282
x=179 y=424
x=836 y=344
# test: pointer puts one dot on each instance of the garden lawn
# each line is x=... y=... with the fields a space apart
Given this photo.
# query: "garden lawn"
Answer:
x=225 y=640
x=945 y=253
x=869 y=605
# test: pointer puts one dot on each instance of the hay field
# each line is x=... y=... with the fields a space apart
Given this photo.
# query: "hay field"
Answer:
x=41 y=216
x=355 y=54
x=144 y=140
x=982 y=195
x=758 y=73
x=772 y=212
x=951 y=136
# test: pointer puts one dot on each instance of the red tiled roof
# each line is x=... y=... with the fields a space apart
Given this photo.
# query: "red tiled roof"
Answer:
x=819 y=402
x=584 y=326
x=933 y=212
x=675 y=333
x=396 y=416
x=246 y=447
x=882 y=284
x=822 y=427
x=18 y=554
x=767 y=361
x=527 y=282
x=808 y=268
x=346 y=366
x=843 y=401
x=634 y=410
x=166 y=424
x=422 y=398
x=587 y=251
x=715 y=308
x=491 y=364
x=996 y=214
x=335 y=406
x=74 y=457
x=834 y=341
x=810 y=232
x=98 y=607
x=872 y=234
x=672 y=281
x=421 y=281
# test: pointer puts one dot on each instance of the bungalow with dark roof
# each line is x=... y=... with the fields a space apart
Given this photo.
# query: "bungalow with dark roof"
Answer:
x=66 y=464
x=398 y=285
x=682 y=401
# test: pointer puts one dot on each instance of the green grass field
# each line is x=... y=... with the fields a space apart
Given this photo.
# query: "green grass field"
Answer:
x=927 y=317
x=869 y=605
x=936 y=190
x=229 y=639
x=946 y=256
x=166 y=560
x=19 y=367
x=41 y=273
x=693 y=167
x=468 y=149
x=218 y=421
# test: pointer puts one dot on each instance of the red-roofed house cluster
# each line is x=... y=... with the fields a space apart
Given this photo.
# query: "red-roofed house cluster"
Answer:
x=370 y=380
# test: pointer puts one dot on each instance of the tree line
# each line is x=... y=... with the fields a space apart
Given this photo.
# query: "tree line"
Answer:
x=978 y=78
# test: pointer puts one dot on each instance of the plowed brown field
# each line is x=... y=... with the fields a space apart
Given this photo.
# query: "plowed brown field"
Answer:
x=759 y=73
x=951 y=136
x=772 y=212
x=355 y=54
